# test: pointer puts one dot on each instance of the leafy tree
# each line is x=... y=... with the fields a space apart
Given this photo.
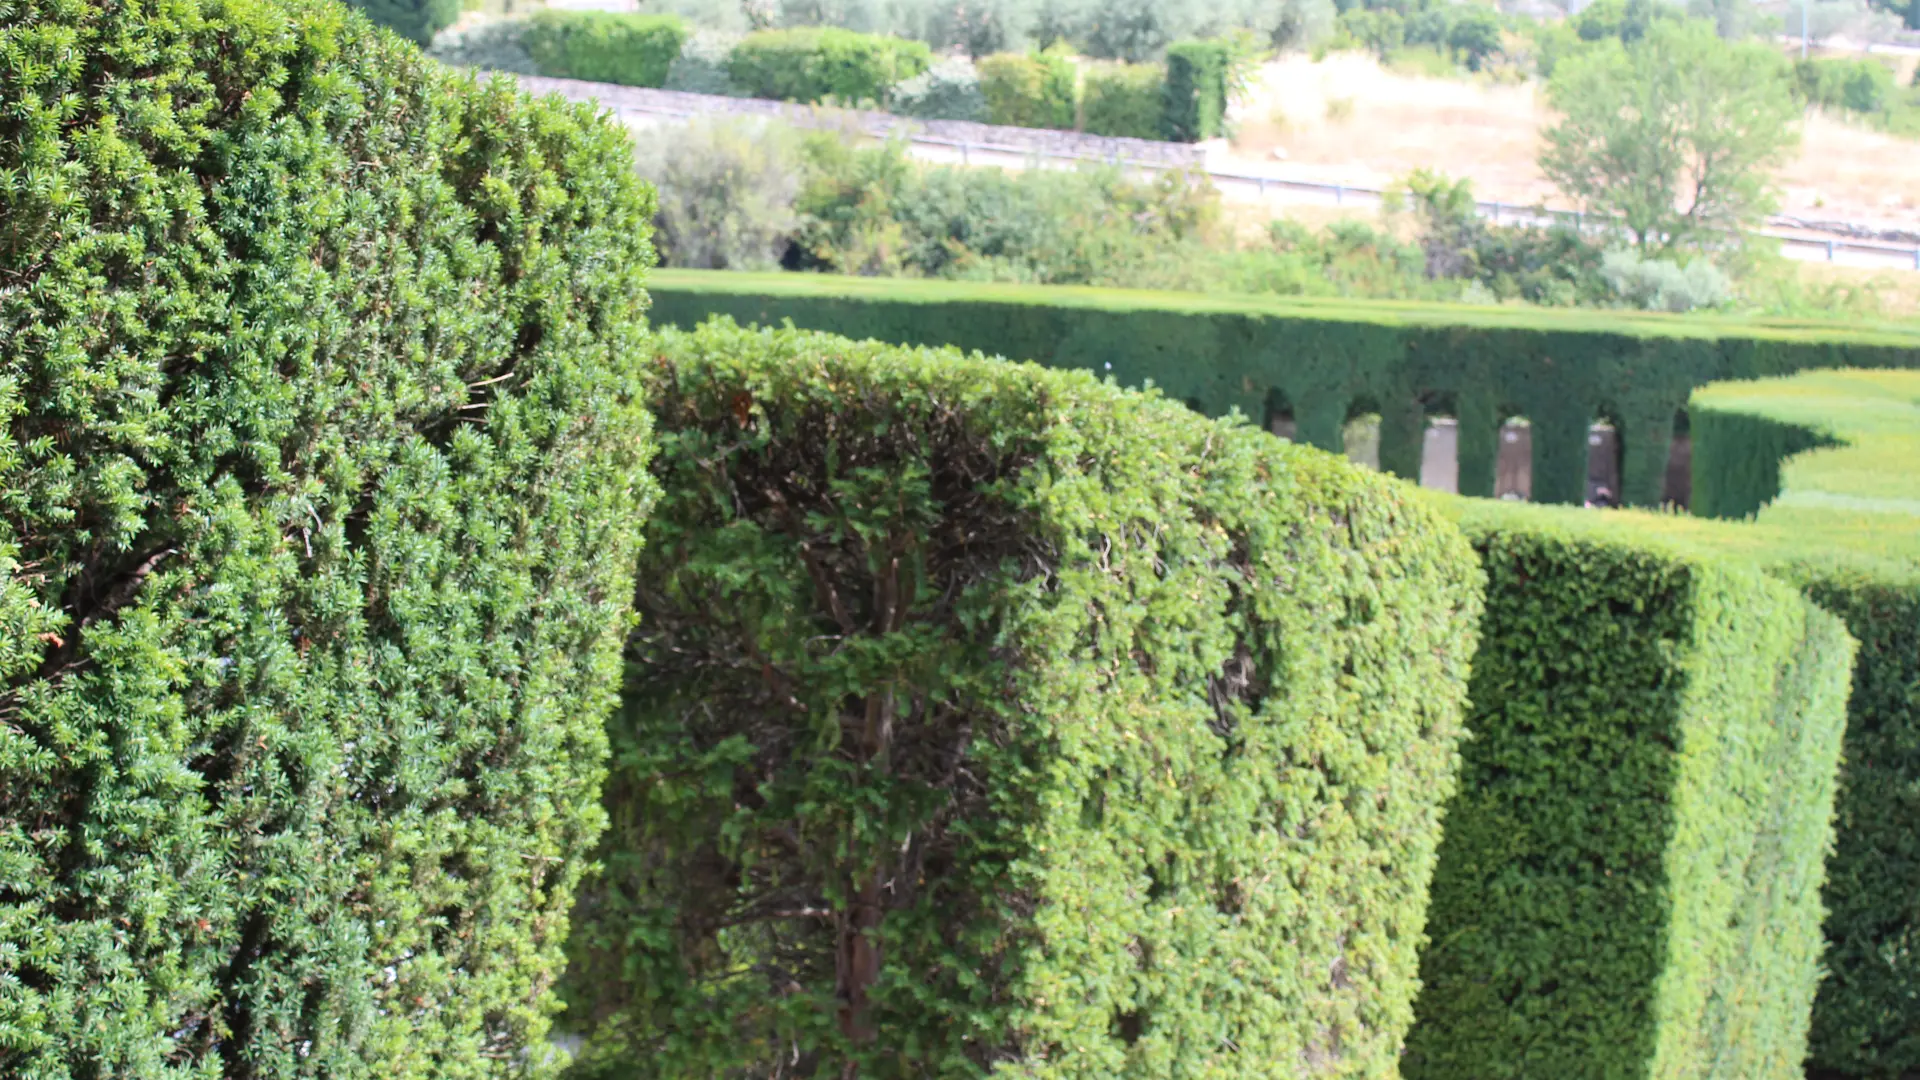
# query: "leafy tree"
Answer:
x=1675 y=135
x=1475 y=35
x=1624 y=20
x=1379 y=32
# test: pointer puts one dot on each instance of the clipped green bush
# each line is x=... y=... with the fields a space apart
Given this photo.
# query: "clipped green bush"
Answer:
x=1196 y=103
x=604 y=46
x=318 y=494
x=1030 y=90
x=986 y=718
x=1321 y=359
x=811 y=64
x=415 y=20
x=1629 y=880
x=1824 y=461
x=1124 y=99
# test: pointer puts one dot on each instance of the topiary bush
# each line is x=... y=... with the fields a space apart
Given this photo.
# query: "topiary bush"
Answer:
x=1629 y=881
x=1196 y=107
x=811 y=64
x=415 y=20
x=322 y=465
x=983 y=718
x=1124 y=99
x=602 y=46
x=949 y=90
x=1030 y=90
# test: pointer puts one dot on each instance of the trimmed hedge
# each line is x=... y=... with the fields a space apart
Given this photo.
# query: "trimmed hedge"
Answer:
x=1323 y=360
x=989 y=718
x=602 y=46
x=317 y=513
x=1196 y=102
x=1030 y=90
x=811 y=64
x=1125 y=99
x=415 y=20
x=1629 y=880
x=1827 y=460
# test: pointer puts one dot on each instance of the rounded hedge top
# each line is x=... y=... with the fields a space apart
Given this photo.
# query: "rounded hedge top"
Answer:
x=317 y=491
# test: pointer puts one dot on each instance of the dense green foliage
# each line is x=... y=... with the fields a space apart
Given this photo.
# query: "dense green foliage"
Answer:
x=814 y=64
x=415 y=20
x=1830 y=455
x=1323 y=361
x=1629 y=880
x=631 y=50
x=317 y=522
x=983 y=716
x=1197 y=74
x=1034 y=90
x=1124 y=99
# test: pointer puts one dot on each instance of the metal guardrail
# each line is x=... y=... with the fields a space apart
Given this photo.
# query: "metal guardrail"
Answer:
x=1496 y=211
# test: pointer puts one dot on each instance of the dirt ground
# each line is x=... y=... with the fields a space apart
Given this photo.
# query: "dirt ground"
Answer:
x=1346 y=119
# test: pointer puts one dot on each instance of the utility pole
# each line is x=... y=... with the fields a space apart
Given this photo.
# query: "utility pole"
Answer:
x=1804 y=5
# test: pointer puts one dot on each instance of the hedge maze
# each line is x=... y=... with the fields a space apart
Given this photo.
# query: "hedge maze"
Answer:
x=410 y=649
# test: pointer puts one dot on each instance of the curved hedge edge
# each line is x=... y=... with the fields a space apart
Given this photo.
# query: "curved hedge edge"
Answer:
x=1168 y=712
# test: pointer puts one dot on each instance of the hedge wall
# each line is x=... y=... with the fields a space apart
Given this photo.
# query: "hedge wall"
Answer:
x=1629 y=879
x=1843 y=521
x=1124 y=99
x=985 y=717
x=316 y=535
x=415 y=20
x=1196 y=94
x=630 y=50
x=1031 y=90
x=1322 y=361
x=811 y=64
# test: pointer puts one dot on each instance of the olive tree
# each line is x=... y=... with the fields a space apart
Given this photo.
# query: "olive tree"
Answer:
x=1675 y=136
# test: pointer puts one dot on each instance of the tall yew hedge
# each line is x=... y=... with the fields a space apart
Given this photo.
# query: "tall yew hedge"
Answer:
x=987 y=717
x=1629 y=883
x=318 y=488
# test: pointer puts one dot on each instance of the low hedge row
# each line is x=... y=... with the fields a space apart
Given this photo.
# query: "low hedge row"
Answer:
x=1629 y=879
x=985 y=718
x=318 y=485
x=1826 y=459
x=602 y=46
x=1032 y=90
x=1124 y=99
x=812 y=64
x=1323 y=361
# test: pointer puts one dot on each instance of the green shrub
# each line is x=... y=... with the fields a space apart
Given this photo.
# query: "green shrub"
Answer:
x=415 y=20
x=989 y=718
x=1826 y=460
x=726 y=188
x=317 y=522
x=1321 y=358
x=813 y=64
x=1125 y=99
x=1197 y=90
x=1031 y=90
x=1862 y=86
x=499 y=45
x=949 y=90
x=602 y=46
x=1629 y=880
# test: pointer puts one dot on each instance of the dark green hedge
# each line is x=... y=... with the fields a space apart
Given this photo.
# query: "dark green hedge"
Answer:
x=1125 y=99
x=984 y=716
x=1031 y=90
x=415 y=20
x=812 y=64
x=1827 y=459
x=1629 y=879
x=1196 y=95
x=631 y=50
x=317 y=511
x=1324 y=360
